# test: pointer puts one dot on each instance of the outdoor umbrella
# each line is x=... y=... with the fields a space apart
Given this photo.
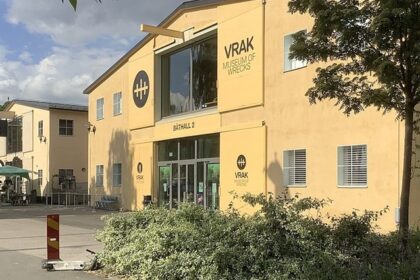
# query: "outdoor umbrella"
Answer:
x=14 y=171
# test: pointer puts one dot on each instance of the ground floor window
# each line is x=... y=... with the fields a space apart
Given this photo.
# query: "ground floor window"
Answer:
x=189 y=171
x=116 y=175
x=99 y=175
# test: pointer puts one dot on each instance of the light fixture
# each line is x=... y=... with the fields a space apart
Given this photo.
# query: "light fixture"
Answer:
x=90 y=127
x=42 y=139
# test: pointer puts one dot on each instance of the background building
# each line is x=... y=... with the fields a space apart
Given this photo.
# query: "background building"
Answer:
x=49 y=139
x=218 y=107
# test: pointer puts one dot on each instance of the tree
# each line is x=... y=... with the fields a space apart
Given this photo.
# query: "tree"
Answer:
x=73 y=3
x=373 y=47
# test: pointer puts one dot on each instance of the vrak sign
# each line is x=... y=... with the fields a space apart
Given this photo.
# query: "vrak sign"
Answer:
x=240 y=56
x=241 y=176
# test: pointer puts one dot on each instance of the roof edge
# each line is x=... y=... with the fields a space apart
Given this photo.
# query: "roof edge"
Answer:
x=180 y=9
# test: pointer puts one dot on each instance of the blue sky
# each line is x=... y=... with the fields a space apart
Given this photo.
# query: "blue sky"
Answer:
x=49 y=52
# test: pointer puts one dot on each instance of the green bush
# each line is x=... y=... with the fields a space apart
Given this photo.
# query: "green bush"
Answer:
x=283 y=240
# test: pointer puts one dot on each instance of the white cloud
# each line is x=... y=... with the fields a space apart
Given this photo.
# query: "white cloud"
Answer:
x=114 y=19
x=84 y=44
x=62 y=76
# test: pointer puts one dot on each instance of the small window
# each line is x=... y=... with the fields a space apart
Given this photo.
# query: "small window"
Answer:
x=40 y=175
x=294 y=166
x=116 y=175
x=291 y=64
x=64 y=174
x=100 y=108
x=117 y=103
x=40 y=128
x=99 y=175
x=352 y=165
x=66 y=127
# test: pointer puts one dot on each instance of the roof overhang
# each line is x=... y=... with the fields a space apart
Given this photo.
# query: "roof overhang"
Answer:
x=184 y=7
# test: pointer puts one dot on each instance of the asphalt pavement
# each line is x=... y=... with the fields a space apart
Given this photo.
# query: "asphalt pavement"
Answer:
x=23 y=240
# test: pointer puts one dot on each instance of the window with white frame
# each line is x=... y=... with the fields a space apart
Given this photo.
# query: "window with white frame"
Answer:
x=40 y=128
x=352 y=165
x=100 y=108
x=116 y=175
x=40 y=176
x=117 y=103
x=99 y=175
x=294 y=167
x=289 y=63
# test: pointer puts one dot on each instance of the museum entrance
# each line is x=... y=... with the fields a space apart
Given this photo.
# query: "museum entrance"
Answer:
x=189 y=171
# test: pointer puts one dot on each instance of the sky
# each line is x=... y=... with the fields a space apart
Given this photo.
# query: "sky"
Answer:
x=48 y=52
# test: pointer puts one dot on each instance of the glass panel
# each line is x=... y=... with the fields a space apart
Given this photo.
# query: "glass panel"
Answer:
x=183 y=182
x=204 y=61
x=164 y=190
x=190 y=183
x=174 y=187
x=200 y=184
x=212 y=186
x=179 y=82
x=208 y=146
x=187 y=148
x=168 y=150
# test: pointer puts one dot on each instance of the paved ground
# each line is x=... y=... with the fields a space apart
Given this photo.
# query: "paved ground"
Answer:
x=23 y=240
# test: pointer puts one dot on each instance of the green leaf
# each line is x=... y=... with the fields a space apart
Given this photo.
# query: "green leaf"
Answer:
x=73 y=3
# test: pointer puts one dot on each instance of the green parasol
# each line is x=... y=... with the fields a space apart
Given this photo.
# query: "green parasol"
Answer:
x=14 y=171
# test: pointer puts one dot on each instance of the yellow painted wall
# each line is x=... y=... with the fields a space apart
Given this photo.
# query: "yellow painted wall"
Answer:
x=69 y=152
x=56 y=151
x=261 y=112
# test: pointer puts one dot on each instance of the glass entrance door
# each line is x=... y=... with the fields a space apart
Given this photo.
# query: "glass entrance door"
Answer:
x=187 y=182
x=212 y=185
x=164 y=185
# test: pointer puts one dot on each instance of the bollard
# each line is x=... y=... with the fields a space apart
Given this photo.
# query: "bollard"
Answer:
x=53 y=237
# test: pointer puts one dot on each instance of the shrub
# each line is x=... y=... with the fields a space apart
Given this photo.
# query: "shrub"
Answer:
x=286 y=239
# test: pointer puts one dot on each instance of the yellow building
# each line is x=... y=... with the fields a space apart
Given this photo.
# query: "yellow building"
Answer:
x=50 y=140
x=211 y=104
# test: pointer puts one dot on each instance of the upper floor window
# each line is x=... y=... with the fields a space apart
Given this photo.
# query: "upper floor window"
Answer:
x=100 y=108
x=289 y=63
x=117 y=103
x=352 y=165
x=66 y=127
x=294 y=166
x=14 y=136
x=189 y=78
x=40 y=128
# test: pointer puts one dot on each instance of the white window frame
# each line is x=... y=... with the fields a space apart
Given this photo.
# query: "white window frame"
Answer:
x=117 y=103
x=114 y=174
x=100 y=110
x=101 y=168
x=294 y=167
x=291 y=64
x=351 y=185
x=41 y=128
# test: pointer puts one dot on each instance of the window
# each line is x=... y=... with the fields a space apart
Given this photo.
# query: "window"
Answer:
x=189 y=78
x=40 y=128
x=100 y=108
x=290 y=64
x=116 y=174
x=40 y=175
x=64 y=174
x=99 y=175
x=66 y=127
x=294 y=166
x=14 y=136
x=352 y=165
x=117 y=103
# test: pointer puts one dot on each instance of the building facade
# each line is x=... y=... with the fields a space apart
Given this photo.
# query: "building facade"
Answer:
x=217 y=108
x=50 y=140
